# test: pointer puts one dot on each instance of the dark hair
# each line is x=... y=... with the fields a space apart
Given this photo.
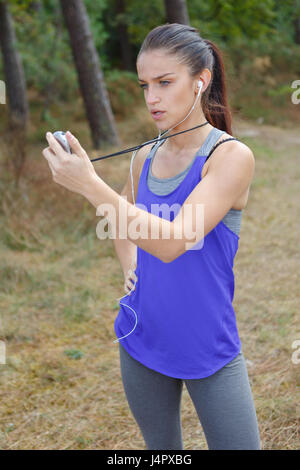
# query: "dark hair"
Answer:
x=197 y=53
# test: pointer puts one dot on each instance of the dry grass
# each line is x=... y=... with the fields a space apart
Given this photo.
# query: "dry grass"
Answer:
x=61 y=387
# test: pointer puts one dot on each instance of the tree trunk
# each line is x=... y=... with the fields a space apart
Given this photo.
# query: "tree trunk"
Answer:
x=91 y=80
x=35 y=6
x=13 y=70
x=297 y=30
x=16 y=92
x=177 y=12
x=126 y=51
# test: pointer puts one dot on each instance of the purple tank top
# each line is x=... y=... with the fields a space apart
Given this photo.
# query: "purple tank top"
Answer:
x=186 y=325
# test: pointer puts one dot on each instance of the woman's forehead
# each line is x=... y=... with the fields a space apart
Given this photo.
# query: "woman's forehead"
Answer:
x=157 y=62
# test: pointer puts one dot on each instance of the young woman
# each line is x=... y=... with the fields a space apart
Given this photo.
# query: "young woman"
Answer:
x=177 y=324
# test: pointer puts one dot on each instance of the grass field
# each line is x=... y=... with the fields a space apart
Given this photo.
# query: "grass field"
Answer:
x=61 y=386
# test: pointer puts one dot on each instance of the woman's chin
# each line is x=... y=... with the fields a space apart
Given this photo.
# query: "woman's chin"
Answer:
x=161 y=127
x=164 y=126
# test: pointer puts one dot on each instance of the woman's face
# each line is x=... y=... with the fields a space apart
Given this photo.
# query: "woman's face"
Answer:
x=168 y=87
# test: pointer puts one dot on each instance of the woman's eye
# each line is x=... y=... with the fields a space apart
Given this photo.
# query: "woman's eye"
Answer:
x=162 y=82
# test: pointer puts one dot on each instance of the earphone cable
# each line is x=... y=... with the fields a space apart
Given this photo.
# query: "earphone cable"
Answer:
x=157 y=139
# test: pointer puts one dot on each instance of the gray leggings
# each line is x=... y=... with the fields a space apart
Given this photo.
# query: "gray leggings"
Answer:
x=223 y=402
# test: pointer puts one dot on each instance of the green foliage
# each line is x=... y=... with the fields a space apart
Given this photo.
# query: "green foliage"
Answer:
x=229 y=20
x=46 y=53
x=141 y=20
x=20 y=4
x=73 y=353
x=11 y=276
x=101 y=34
x=124 y=91
x=286 y=13
x=244 y=29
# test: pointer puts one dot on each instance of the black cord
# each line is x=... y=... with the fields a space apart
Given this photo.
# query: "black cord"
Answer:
x=146 y=143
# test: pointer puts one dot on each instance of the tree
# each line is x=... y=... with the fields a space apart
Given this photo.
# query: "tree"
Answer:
x=91 y=80
x=16 y=91
x=126 y=51
x=177 y=12
x=297 y=29
x=287 y=20
x=35 y=6
x=296 y=20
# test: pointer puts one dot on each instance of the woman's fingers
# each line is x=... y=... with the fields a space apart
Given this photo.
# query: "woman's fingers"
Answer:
x=130 y=281
x=128 y=286
x=132 y=275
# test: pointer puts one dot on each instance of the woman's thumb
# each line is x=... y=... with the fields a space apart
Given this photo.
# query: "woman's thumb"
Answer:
x=75 y=145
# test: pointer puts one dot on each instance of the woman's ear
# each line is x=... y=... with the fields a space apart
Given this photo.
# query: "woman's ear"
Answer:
x=205 y=77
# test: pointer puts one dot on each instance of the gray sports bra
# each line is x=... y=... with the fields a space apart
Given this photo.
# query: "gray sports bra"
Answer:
x=163 y=186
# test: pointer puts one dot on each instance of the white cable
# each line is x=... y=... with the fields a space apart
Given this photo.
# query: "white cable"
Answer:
x=192 y=108
x=125 y=305
x=117 y=340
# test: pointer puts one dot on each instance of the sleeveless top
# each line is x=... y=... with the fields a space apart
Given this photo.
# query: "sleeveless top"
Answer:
x=186 y=324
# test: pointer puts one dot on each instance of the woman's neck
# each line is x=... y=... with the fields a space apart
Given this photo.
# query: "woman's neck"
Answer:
x=188 y=140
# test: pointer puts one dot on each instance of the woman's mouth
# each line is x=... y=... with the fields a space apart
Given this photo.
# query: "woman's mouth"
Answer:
x=157 y=114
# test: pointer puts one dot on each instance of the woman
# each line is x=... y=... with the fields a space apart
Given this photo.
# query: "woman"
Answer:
x=184 y=285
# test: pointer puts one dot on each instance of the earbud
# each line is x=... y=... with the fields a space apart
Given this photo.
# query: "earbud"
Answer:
x=200 y=84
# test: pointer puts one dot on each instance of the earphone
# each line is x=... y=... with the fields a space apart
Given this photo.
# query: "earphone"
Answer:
x=199 y=86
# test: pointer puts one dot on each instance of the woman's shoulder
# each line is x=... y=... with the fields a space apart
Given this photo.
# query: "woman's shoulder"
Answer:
x=232 y=154
x=236 y=147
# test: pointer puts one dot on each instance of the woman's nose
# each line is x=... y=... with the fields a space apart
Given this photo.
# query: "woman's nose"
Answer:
x=151 y=97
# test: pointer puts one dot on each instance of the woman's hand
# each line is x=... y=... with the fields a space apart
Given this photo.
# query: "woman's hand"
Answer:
x=130 y=278
x=73 y=171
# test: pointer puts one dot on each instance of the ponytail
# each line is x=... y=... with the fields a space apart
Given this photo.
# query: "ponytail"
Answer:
x=214 y=100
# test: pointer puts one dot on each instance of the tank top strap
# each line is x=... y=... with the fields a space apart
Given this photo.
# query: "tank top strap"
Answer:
x=219 y=143
x=155 y=147
x=210 y=141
